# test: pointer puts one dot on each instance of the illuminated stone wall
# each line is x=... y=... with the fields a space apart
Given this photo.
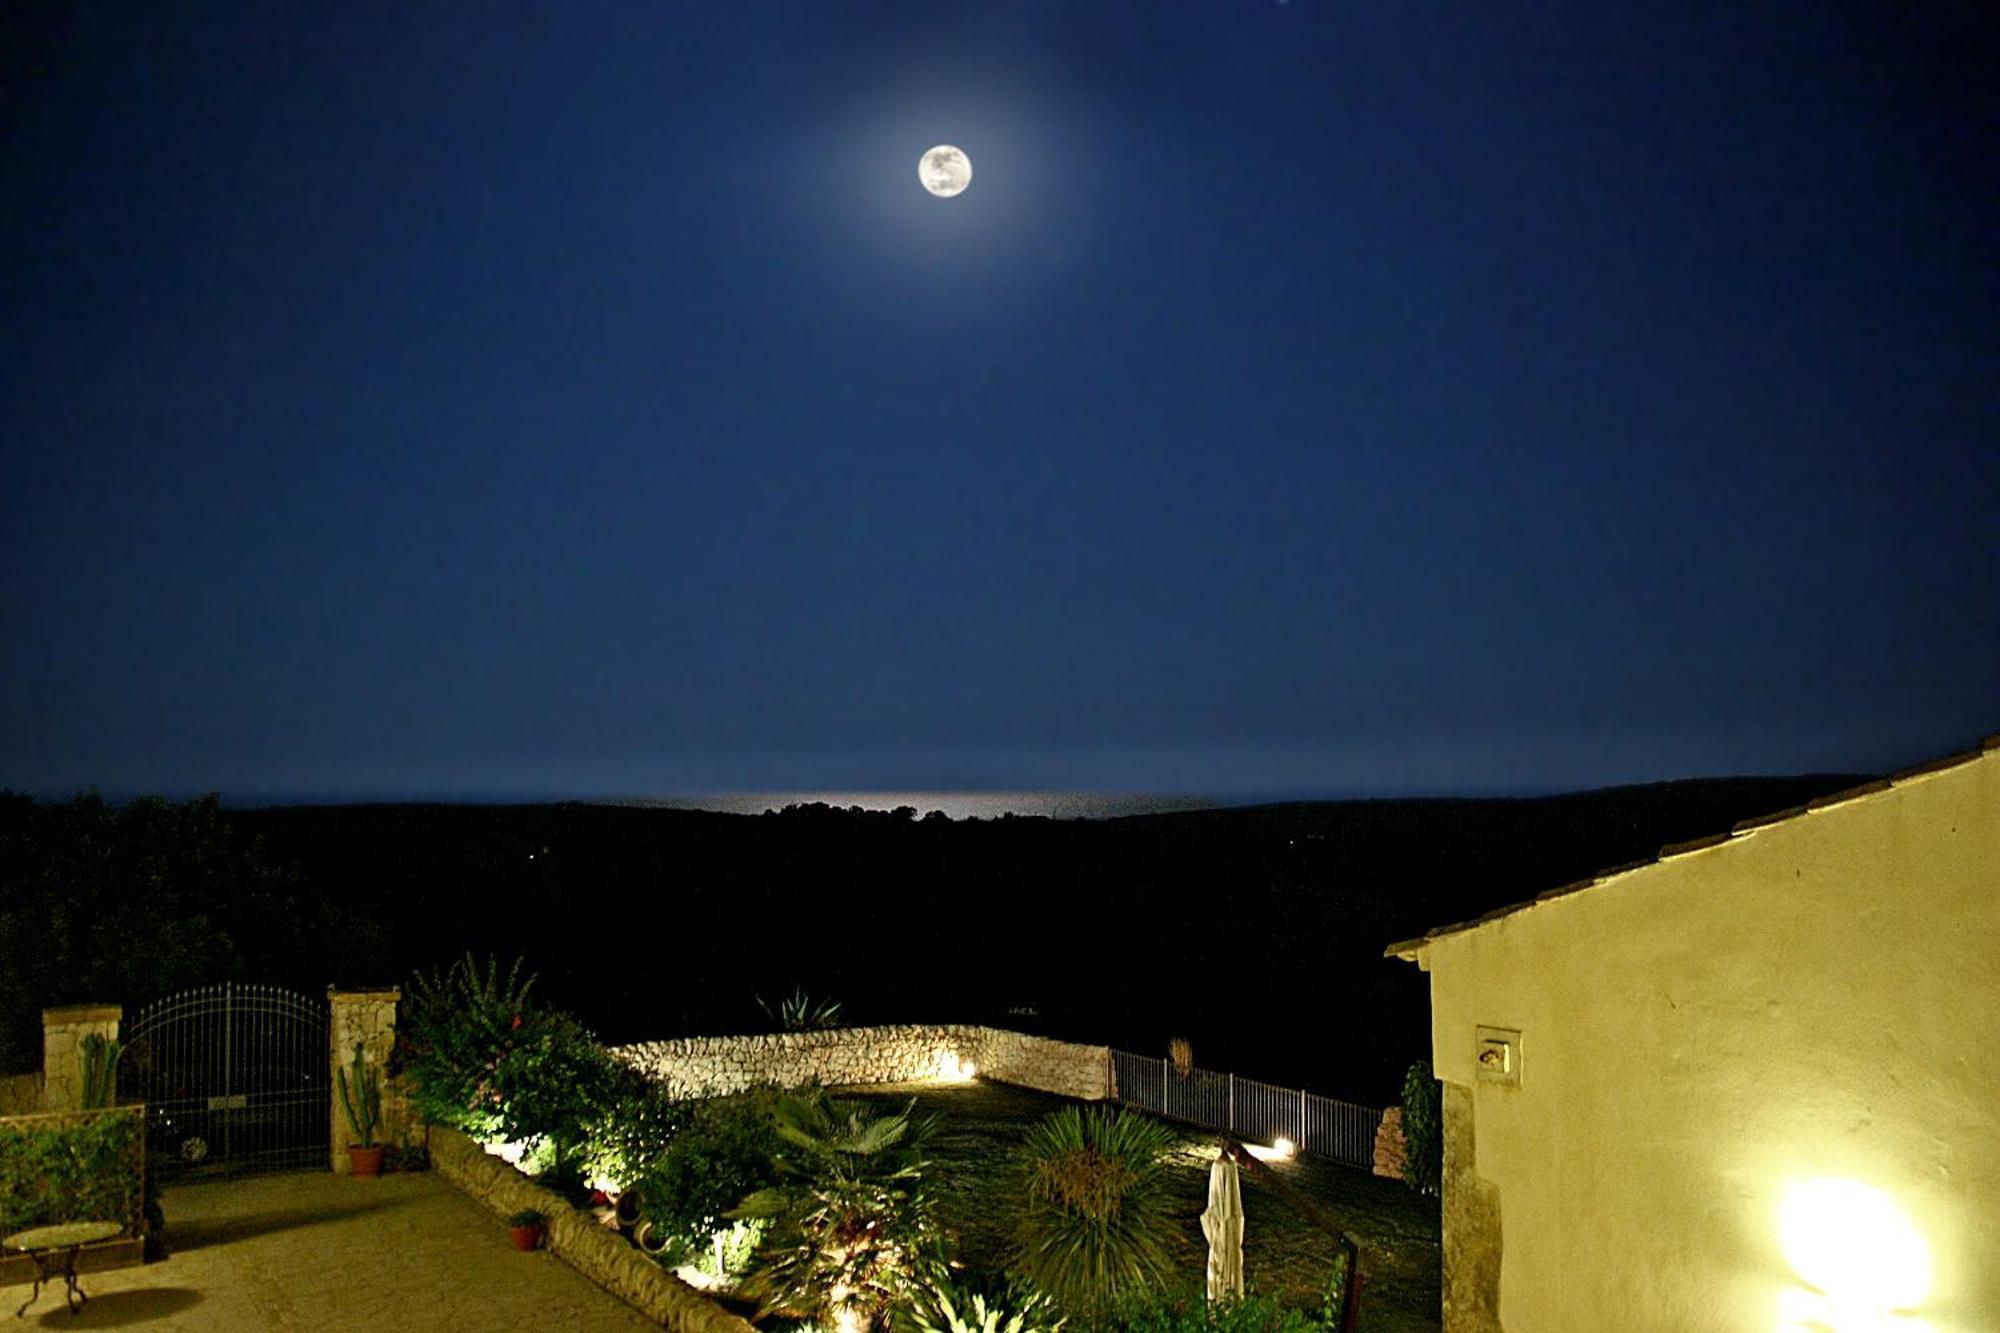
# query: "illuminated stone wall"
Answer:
x=1814 y=998
x=710 y=1066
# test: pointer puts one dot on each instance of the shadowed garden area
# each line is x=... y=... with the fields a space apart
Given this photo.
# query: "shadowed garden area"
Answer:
x=1285 y=1255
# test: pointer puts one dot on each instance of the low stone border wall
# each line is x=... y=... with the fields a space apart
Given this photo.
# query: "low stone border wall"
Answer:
x=576 y=1237
x=910 y=1053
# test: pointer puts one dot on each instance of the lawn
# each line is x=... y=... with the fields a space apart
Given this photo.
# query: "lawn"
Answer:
x=1284 y=1253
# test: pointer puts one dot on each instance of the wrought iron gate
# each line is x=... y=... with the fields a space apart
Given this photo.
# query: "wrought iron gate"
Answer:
x=232 y=1076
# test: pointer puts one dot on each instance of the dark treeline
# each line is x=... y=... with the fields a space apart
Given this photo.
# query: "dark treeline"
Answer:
x=1255 y=932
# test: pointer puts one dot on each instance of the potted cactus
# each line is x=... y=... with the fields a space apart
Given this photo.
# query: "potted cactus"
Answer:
x=361 y=1098
x=527 y=1227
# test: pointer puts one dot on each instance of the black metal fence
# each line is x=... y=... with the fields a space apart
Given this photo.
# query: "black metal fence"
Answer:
x=232 y=1075
x=1256 y=1112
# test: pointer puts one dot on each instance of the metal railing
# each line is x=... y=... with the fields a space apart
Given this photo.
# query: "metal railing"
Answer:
x=1257 y=1112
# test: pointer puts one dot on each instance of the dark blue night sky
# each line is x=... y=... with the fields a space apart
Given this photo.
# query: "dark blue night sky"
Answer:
x=1305 y=398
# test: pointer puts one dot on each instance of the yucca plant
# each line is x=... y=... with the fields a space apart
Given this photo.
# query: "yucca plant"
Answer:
x=852 y=1224
x=1094 y=1217
x=361 y=1097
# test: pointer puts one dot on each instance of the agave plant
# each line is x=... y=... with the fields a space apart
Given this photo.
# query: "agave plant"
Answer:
x=799 y=1012
x=1094 y=1217
x=938 y=1312
x=852 y=1220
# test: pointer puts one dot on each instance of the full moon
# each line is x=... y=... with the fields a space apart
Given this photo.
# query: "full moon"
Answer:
x=945 y=171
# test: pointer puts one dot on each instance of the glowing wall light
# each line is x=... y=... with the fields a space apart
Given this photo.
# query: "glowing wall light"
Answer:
x=1859 y=1252
x=952 y=1069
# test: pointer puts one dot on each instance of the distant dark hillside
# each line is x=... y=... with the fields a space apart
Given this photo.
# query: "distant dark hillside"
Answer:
x=1257 y=932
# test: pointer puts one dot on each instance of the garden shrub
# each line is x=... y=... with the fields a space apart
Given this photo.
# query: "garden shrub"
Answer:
x=1095 y=1208
x=1423 y=1130
x=1190 y=1312
x=454 y=1029
x=639 y=1128
x=853 y=1226
x=68 y=1168
x=720 y=1156
x=556 y=1085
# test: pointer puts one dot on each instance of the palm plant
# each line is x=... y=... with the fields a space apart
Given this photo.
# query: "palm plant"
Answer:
x=852 y=1225
x=1094 y=1213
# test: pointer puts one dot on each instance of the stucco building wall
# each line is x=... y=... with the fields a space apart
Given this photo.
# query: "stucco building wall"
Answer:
x=1817 y=997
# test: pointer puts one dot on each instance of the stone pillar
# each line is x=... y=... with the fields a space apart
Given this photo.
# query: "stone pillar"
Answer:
x=369 y=1017
x=63 y=1031
x=1391 y=1150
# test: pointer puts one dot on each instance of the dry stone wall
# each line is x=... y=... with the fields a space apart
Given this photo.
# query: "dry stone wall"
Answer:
x=714 y=1066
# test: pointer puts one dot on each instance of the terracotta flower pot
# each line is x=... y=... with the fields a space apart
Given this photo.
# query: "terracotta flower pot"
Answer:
x=527 y=1238
x=364 y=1161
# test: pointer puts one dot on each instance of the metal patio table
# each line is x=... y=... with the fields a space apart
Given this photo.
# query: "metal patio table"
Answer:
x=54 y=1251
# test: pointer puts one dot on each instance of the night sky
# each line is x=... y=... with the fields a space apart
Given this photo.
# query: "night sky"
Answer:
x=1305 y=398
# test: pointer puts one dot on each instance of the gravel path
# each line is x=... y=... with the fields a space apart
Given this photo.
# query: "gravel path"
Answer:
x=312 y=1250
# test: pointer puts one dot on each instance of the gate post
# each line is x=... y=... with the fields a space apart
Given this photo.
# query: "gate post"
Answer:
x=369 y=1017
x=63 y=1031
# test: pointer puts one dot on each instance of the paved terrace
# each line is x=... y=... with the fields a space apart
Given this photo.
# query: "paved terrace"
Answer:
x=312 y=1250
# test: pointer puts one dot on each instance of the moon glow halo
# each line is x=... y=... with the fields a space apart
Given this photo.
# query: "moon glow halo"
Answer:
x=945 y=171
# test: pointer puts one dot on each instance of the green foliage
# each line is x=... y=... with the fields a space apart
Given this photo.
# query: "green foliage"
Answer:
x=361 y=1096
x=1191 y=1313
x=853 y=1224
x=721 y=1155
x=528 y=1217
x=1095 y=1205
x=455 y=1028
x=942 y=1309
x=72 y=1168
x=555 y=1084
x=638 y=1129
x=799 y=1012
x=131 y=902
x=100 y=1071
x=1423 y=1130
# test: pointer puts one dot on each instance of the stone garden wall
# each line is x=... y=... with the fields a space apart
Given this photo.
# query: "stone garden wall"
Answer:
x=711 y=1066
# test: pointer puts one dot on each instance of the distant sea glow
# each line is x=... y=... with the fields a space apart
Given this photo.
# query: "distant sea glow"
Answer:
x=954 y=804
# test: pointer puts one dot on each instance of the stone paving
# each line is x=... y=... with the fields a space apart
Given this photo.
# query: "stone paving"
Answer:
x=312 y=1250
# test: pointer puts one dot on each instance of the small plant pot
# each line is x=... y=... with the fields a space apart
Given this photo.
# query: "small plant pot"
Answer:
x=364 y=1161
x=527 y=1238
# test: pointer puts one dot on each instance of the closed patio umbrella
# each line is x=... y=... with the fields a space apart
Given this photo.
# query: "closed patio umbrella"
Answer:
x=1222 y=1223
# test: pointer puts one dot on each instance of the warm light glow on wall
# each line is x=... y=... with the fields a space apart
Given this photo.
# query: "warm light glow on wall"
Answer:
x=1862 y=1260
x=952 y=1069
